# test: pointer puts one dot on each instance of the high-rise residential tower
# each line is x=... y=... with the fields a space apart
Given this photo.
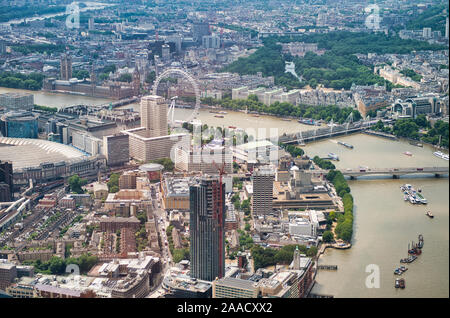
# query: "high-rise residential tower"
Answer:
x=207 y=222
x=152 y=141
x=263 y=178
x=154 y=115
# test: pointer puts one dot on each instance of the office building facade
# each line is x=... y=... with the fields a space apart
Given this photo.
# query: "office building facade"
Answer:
x=154 y=115
x=19 y=124
x=151 y=141
x=229 y=287
x=116 y=149
x=17 y=101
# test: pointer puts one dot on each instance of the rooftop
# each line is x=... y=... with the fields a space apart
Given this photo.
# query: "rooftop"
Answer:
x=255 y=144
x=26 y=152
x=237 y=283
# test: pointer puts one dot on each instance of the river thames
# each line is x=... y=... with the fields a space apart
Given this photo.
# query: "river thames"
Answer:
x=384 y=223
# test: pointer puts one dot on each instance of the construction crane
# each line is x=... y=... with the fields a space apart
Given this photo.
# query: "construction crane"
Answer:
x=219 y=216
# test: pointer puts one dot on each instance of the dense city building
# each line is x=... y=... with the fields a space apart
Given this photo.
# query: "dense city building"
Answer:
x=293 y=98
x=19 y=124
x=263 y=190
x=207 y=222
x=6 y=181
x=116 y=149
x=17 y=101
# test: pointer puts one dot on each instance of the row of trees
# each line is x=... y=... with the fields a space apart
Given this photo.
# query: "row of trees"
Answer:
x=323 y=163
x=410 y=128
x=31 y=81
x=245 y=240
x=328 y=113
x=293 y=150
x=178 y=254
x=141 y=234
x=17 y=12
x=39 y=48
x=264 y=257
x=46 y=108
x=344 y=227
x=439 y=132
x=57 y=265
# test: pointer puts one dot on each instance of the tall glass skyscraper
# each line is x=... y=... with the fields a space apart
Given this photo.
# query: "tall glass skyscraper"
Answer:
x=207 y=222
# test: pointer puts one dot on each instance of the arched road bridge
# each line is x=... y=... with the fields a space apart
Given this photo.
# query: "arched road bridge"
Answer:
x=395 y=172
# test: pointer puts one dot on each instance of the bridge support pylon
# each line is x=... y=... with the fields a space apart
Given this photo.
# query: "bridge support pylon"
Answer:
x=437 y=175
x=394 y=176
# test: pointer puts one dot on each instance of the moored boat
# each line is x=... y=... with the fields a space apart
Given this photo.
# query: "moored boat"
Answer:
x=409 y=259
x=441 y=155
x=413 y=196
x=420 y=244
x=307 y=122
x=345 y=144
x=333 y=156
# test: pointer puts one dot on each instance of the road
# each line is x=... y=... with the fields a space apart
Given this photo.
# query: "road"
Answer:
x=166 y=258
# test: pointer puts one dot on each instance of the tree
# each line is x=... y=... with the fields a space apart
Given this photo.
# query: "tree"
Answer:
x=328 y=236
x=166 y=162
x=421 y=121
x=180 y=254
x=127 y=77
x=245 y=206
x=406 y=128
x=56 y=265
x=75 y=184
x=332 y=215
x=113 y=183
